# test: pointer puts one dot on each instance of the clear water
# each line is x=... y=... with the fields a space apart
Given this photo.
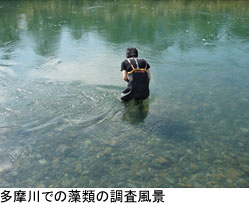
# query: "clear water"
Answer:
x=62 y=123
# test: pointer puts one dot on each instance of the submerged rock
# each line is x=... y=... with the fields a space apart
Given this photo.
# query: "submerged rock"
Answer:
x=59 y=129
x=62 y=148
x=197 y=185
x=41 y=185
x=142 y=171
x=192 y=122
x=233 y=174
x=245 y=168
x=87 y=143
x=194 y=167
x=4 y=165
x=66 y=182
x=43 y=161
x=131 y=185
x=107 y=150
x=77 y=168
x=170 y=180
x=7 y=159
x=3 y=131
x=161 y=160
x=2 y=99
x=244 y=130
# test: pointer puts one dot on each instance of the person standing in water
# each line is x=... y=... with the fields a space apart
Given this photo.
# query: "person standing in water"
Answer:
x=136 y=72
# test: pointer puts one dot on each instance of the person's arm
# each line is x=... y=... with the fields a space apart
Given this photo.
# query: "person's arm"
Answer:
x=149 y=75
x=125 y=75
x=147 y=66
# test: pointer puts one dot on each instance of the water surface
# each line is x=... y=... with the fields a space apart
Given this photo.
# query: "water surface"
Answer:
x=62 y=123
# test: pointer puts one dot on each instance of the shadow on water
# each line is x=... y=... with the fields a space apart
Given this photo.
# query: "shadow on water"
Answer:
x=166 y=125
x=136 y=111
x=170 y=126
x=173 y=130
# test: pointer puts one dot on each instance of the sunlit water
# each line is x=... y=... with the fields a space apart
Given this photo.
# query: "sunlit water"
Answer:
x=62 y=123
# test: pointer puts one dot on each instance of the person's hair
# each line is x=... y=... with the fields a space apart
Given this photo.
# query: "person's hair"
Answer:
x=131 y=52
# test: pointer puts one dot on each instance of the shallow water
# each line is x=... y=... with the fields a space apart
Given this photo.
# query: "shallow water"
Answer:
x=62 y=123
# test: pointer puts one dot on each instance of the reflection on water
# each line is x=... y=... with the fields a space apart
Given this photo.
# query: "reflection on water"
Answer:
x=136 y=111
x=62 y=123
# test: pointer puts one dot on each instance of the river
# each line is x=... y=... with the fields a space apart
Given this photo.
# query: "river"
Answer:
x=62 y=123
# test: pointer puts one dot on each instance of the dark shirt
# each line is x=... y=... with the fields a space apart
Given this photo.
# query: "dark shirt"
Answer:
x=125 y=65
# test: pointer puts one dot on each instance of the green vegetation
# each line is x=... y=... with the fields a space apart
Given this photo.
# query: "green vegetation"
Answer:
x=79 y=16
